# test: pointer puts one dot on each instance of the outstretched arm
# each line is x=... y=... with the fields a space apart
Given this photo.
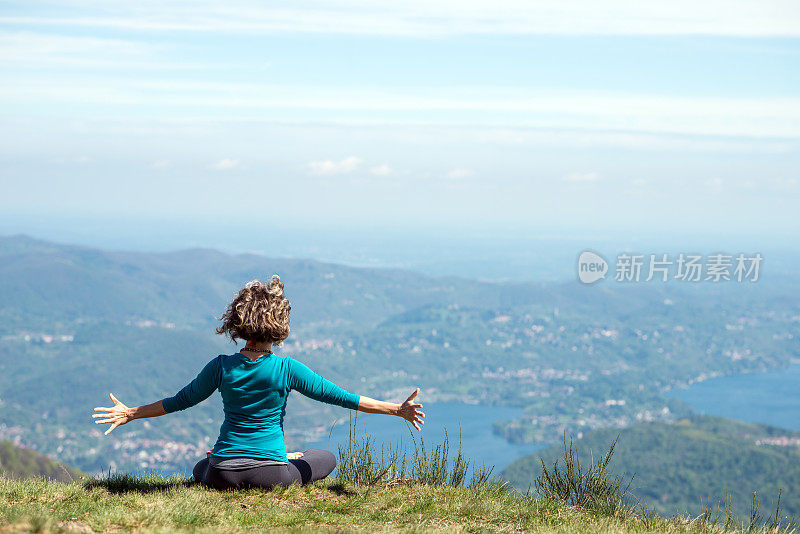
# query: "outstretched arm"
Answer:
x=408 y=410
x=197 y=390
x=312 y=385
x=119 y=414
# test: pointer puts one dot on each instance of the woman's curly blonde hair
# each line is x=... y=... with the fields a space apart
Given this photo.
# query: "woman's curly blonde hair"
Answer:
x=259 y=312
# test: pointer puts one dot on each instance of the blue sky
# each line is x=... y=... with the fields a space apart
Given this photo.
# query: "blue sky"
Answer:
x=618 y=116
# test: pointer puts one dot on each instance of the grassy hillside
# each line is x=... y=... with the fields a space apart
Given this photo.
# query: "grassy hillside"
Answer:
x=19 y=462
x=423 y=488
x=697 y=459
x=176 y=505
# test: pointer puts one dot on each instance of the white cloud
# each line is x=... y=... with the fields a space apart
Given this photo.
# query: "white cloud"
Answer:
x=345 y=166
x=716 y=182
x=161 y=164
x=424 y=18
x=590 y=111
x=459 y=174
x=28 y=49
x=381 y=170
x=226 y=164
x=83 y=159
x=581 y=177
x=26 y=46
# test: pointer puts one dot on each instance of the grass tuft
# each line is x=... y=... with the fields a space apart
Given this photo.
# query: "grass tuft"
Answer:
x=361 y=463
x=724 y=518
x=593 y=488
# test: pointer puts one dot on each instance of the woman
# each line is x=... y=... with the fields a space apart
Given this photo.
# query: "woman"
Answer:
x=255 y=384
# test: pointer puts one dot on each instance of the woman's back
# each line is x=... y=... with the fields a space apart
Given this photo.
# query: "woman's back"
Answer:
x=250 y=450
x=254 y=394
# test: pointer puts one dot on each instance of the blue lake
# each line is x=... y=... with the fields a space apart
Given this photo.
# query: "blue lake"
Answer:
x=478 y=442
x=772 y=397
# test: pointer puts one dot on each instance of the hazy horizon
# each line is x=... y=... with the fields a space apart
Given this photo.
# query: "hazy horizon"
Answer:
x=488 y=253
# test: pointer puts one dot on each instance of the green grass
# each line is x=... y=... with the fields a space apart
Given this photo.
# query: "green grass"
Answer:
x=373 y=493
x=153 y=503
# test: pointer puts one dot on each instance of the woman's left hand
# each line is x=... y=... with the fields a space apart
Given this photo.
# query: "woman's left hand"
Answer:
x=294 y=455
x=411 y=411
x=117 y=415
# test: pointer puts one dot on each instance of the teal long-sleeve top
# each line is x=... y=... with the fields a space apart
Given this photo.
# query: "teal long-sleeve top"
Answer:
x=254 y=394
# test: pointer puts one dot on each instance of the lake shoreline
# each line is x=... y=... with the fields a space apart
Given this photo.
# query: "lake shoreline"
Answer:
x=769 y=397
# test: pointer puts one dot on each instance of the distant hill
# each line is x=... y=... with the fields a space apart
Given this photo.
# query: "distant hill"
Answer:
x=42 y=283
x=20 y=462
x=699 y=458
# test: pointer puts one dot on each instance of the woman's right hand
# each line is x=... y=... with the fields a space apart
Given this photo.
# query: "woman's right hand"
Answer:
x=410 y=411
x=116 y=415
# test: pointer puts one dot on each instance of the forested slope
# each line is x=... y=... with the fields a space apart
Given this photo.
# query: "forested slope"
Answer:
x=19 y=462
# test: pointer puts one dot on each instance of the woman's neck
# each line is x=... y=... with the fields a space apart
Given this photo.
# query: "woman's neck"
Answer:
x=256 y=349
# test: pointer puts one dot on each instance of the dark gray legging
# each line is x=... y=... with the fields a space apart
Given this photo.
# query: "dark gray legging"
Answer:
x=315 y=464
